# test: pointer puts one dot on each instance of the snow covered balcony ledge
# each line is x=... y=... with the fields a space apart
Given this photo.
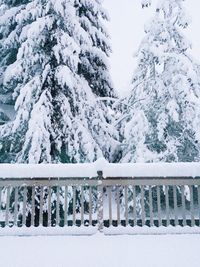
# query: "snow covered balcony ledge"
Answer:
x=99 y=195
x=108 y=170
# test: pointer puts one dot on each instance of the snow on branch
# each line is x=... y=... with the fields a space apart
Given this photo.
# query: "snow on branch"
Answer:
x=145 y=3
x=107 y=99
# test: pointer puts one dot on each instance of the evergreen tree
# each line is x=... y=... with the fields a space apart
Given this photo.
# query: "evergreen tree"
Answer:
x=161 y=117
x=93 y=64
x=59 y=118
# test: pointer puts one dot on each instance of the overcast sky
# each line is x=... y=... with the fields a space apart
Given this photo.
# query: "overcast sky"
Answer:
x=126 y=25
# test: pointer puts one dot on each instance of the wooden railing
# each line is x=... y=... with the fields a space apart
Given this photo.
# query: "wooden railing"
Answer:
x=100 y=202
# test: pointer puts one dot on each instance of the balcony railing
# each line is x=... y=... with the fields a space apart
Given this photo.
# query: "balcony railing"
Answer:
x=99 y=201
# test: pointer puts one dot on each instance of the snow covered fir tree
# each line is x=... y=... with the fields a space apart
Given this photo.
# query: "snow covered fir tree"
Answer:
x=160 y=120
x=63 y=48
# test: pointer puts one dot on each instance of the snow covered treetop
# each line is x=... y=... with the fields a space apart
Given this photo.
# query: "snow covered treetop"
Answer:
x=175 y=9
x=171 y=8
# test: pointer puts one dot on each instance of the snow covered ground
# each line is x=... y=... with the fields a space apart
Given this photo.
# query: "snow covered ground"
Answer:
x=101 y=251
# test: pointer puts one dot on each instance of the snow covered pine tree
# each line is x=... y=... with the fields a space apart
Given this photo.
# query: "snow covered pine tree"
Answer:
x=160 y=120
x=59 y=115
x=162 y=114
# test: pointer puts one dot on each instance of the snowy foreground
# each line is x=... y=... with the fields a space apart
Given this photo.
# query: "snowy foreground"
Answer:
x=101 y=251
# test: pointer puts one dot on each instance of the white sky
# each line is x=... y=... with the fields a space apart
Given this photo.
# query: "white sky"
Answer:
x=126 y=25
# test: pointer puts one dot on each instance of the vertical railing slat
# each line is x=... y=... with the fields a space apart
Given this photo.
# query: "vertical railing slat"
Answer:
x=175 y=205
x=159 y=206
x=0 y=198
x=150 y=206
x=49 y=206
x=41 y=206
x=192 y=206
x=74 y=205
x=33 y=206
x=199 y=203
x=126 y=204
x=118 y=207
x=110 y=204
x=82 y=205
x=16 y=206
x=58 y=205
x=24 y=205
x=134 y=206
x=142 y=205
x=66 y=205
x=90 y=205
x=183 y=204
x=100 y=201
x=167 y=204
x=7 y=206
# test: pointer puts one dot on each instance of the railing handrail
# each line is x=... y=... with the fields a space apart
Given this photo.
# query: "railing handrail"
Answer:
x=95 y=181
x=96 y=178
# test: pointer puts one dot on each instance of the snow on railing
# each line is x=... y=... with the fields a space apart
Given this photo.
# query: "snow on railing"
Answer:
x=99 y=195
x=108 y=169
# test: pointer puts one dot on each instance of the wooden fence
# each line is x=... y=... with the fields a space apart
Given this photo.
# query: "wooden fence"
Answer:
x=113 y=201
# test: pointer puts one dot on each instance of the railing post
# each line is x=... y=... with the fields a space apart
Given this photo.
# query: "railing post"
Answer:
x=100 y=201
